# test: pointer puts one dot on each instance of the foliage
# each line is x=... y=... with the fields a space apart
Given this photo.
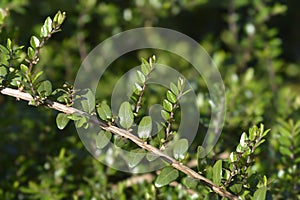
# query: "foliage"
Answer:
x=261 y=88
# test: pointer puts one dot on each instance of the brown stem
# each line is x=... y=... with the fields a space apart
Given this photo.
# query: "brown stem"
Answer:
x=126 y=134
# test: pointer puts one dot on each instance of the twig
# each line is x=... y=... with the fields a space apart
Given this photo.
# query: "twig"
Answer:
x=126 y=134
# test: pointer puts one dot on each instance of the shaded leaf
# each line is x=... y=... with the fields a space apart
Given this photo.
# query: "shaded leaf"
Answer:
x=140 y=77
x=167 y=175
x=45 y=88
x=145 y=67
x=88 y=101
x=103 y=139
x=135 y=157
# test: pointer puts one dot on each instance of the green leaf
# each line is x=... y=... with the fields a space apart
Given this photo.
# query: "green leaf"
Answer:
x=88 y=101
x=135 y=157
x=190 y=182
x=174 y=89
x=35 y=78
x=34 y=42
x=166 y=176
x=137 y=88
x=140 y=77
x=23 y=68
x=103 y=139
x=126 y=115
x=180 y=148
x=104 y=111
x=244 y=140
x=30 y=52
x=171 y=97
x=233 y=157
x=151 y=157
x=9 y=44
x=167 y=105
x=236 y=188
x=145 y=127
x=217 y=172
x=211 y=196
x=48 y=25
x=145 y=67
x=285 y=151
x=165 y=115
x=260 y=193
x=62 y=120
x=45 y=88
x=3 y=71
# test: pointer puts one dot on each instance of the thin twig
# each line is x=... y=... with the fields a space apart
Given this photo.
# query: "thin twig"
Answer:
x=126 y=134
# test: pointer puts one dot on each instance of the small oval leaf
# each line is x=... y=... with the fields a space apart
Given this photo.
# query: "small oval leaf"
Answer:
x=126 y=115
x=171 y=97
x=165 y=115
x=135 y=157
x=167 y=175
x=174 y=89
x=167 y=105
x=104 y=111
x=62 y=120
x=34 y=42
x=180 y=148
x=102 y=139
x=217 y=172
x=45 y=88
x=145 y=127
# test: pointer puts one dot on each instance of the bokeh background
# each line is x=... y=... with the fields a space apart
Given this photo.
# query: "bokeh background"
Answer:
x=255 y=45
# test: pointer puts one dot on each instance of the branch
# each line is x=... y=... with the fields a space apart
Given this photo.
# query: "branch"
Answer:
x=126 y=134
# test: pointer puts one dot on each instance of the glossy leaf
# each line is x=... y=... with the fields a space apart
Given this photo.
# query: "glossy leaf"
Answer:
x=217 y=172
x=62 y=120
x=30 y=52
x=180 y=148
x=126 y=115
x=243 y=140
x=145 y=127
x=48 y=25
x=166 y=176
x=167 y=105
x=103 y=139
x=34 y=42
x=171 y=97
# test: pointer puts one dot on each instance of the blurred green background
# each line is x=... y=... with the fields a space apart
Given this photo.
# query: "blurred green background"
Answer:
x=255 y=45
